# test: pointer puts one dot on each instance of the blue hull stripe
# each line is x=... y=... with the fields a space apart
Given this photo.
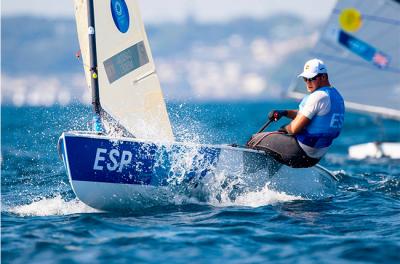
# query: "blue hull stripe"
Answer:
x=125 y=162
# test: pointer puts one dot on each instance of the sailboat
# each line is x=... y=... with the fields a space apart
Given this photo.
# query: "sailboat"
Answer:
x=140 y=164
x=361 y=47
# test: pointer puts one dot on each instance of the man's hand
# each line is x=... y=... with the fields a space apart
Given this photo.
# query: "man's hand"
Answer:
x=283 y=129
x=275 y=115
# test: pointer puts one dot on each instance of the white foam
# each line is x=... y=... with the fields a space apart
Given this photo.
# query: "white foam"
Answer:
x=52 y=206
x=263 y=197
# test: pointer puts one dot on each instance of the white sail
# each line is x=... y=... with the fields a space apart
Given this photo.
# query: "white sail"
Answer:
x=82 y=29
x=361 y=48
x=129 y=89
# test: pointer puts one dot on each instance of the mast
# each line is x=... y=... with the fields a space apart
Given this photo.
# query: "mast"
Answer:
x=93 y=58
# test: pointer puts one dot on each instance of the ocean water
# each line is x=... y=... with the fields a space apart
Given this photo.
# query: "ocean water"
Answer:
x=43 y=222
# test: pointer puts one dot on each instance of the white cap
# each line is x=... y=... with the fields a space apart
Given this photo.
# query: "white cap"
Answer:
x=312 y=68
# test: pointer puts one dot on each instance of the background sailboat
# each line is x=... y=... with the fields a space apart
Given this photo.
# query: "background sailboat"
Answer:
x=361 y=46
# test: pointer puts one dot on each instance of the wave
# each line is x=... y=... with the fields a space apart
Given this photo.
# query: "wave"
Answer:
x=263 y=197
x=58 y=206
x=51 y=207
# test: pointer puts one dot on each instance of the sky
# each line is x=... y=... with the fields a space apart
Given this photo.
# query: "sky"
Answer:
x=158 y=11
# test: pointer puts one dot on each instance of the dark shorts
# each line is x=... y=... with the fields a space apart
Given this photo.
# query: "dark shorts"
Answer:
x=283 y=147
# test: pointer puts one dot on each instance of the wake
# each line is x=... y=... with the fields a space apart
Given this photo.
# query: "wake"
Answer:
x=52 y=207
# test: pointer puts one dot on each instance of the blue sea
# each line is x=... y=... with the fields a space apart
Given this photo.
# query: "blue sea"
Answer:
x=43 y=222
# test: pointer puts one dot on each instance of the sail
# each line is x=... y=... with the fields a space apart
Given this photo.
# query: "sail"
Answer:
x=129 y=88
x=82 y=30
x=361 y=47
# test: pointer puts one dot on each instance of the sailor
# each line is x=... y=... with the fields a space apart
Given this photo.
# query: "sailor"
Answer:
x=317 y=122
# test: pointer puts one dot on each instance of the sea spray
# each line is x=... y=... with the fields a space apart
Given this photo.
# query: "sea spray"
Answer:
x=194 y=177
x=52 y=206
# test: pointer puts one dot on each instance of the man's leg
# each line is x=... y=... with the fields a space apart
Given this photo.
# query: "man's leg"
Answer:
x=285 y=149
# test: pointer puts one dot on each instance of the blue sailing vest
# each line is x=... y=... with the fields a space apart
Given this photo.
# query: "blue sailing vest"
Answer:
x=324 y=129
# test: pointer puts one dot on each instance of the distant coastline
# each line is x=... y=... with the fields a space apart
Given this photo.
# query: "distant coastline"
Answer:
x=246 y=58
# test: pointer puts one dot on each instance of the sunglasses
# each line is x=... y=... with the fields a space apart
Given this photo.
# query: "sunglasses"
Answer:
x=311 y=79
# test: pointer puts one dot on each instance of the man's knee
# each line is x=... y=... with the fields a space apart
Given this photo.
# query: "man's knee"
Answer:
x=256 y=139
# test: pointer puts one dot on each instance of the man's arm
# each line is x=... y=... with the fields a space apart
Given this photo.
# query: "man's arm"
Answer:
x=292 y=114
x=297 y=125
x=317 y=103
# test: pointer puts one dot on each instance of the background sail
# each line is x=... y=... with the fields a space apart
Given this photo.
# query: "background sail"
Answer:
x=361 y=48
x=129 y=88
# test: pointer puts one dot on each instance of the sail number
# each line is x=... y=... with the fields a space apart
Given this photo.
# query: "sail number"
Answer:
x=337 y=121
x=113 y=160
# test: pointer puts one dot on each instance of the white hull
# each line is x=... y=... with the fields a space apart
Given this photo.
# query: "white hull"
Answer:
x=375 y=150
x=158 y=174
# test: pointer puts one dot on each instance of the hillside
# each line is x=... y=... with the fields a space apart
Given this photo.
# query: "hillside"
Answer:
x=247 y=55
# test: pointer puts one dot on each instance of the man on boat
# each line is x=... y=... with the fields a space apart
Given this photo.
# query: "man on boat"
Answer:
x=317 y=122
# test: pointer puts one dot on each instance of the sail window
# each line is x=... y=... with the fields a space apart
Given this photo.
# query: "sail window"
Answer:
x=126 y=61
